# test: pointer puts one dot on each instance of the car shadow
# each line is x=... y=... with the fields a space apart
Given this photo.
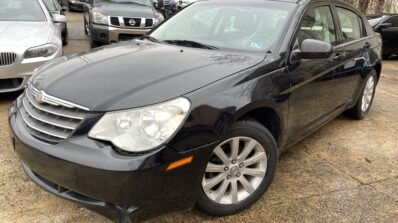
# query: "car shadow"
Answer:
x=9 y=96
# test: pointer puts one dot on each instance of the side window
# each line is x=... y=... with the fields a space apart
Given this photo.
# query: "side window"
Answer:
x=318 y=24
x=393 y=21
x=351 y=26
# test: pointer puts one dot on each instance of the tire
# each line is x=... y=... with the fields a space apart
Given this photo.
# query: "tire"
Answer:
x=360 y=110
x=65 y=36
x=265 y=152
x=93 y=43
x=85 y=26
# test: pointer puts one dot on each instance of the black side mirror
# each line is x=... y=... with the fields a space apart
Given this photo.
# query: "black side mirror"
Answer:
x=313 y=49
x=384 y=26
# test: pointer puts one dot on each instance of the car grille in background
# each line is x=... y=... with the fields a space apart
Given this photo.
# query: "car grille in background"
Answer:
x=48 y=122
x=7 y=58
x=136 y=20
x=115 y=21
x=149 y=23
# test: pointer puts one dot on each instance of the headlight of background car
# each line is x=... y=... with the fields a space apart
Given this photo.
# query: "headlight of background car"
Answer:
x=41 y=51
x=158 y=18
x=142 y=129
x=99 y=18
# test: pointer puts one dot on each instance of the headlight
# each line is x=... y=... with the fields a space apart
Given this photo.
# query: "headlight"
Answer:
x=99 y=18
x=142 y=129
x=158 y=18
x=41 y=51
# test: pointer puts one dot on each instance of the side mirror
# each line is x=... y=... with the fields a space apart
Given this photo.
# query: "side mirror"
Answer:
x=313 y=49
x=59 y=18
x=384 y=26
x=63 y=9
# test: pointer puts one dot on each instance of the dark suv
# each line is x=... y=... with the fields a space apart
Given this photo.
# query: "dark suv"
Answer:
x=110 y=21
x=387 y=26
x=198 y=111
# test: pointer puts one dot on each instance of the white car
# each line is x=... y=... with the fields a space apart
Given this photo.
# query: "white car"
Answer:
x=30 y=36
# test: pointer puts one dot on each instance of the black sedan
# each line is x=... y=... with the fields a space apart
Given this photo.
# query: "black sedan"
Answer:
x=197 y=112
x=387 y=26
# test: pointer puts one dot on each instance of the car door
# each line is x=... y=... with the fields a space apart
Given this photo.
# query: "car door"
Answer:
x=352 y=53
x=390 y=35
x=312 y=81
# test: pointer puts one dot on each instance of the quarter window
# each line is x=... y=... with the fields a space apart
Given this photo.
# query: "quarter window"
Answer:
x=318 y=24
x=351 y=26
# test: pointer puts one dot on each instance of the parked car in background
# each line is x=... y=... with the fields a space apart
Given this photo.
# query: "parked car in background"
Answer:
x=197 y=111
x=29 y=37
x=76 y=5
x=110 y=21
x=54 y=7
x=183 y=3
x=387 y=26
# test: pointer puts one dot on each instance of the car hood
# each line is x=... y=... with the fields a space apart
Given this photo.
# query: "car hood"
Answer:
x=136 y=74
x=25 y=33
x=125 y=10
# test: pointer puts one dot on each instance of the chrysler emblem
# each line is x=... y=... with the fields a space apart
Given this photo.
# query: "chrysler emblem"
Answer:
x=132 y=22
x=40 y=97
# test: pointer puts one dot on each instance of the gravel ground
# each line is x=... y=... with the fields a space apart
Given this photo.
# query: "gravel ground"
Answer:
x=345 y=172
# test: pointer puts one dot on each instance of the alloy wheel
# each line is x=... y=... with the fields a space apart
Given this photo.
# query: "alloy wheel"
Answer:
x=368 y=94
x=235 y=171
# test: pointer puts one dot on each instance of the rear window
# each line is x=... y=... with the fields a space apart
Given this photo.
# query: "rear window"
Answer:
x=351 y=25
x=21 y=10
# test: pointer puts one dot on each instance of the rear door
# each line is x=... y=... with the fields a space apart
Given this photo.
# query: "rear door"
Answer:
x=352 y=53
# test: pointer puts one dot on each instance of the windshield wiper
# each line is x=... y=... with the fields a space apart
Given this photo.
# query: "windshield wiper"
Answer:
x=153 y=39
x=190 y=43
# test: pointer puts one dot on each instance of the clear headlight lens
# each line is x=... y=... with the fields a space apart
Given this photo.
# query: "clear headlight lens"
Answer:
x=158 y=18
x=142 y=129
x=41 y=51
x=99 y=18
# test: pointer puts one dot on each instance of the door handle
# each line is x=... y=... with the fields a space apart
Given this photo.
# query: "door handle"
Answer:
x=367 y=45
x=338 y=56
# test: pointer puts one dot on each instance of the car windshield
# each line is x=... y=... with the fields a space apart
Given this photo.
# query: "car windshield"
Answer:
x=139 y=2
x=222 y=24
x=21 y=10
x=375 y=21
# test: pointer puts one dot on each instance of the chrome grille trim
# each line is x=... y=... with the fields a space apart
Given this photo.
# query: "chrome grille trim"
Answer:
x=53 y=100
x=7 y=58
x=48 y=118
x=121 y=23
x=39 y=129
x=53 y=111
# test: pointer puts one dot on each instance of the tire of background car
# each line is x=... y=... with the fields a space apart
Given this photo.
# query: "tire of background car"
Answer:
x=365 y=100
x=244 y=162
x=93 y=43
x=85 y=26
x=65 y=36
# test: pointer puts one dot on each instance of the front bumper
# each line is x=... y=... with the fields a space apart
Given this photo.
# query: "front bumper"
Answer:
x=91 y=173
x=110 y=34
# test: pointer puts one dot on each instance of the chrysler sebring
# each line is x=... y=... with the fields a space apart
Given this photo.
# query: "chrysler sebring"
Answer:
x=126 y=131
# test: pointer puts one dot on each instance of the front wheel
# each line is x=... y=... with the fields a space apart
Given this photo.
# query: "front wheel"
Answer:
x=239 y=171
x=364 y=103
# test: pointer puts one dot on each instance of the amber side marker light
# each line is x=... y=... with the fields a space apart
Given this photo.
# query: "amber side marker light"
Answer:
x=179 y=163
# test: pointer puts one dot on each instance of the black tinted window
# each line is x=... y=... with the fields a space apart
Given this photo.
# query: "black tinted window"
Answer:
x=393 y=21
x=318 y=24
x=351 y=25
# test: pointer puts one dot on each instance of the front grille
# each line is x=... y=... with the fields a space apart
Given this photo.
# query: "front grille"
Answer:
x=7 y=58
x=49 y=122
x=115 y=21
x=137 y=22
x=148 y=23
